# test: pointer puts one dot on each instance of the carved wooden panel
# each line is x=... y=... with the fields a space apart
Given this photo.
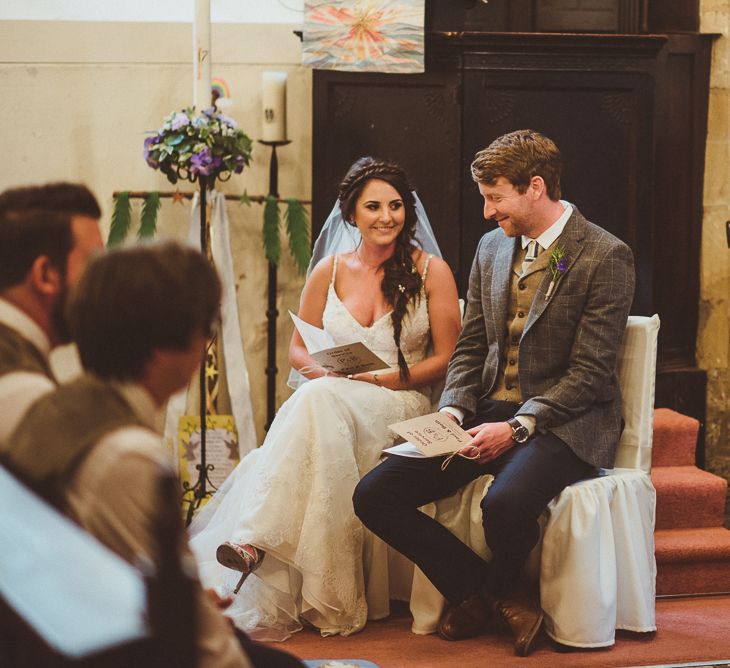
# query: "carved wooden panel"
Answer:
x=628 y=112
x=579 y=15
x=680 y=146
x=602 y=123
x=413 y=120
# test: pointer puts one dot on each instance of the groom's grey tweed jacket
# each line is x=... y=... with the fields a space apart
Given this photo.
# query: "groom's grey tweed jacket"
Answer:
x=567 y=353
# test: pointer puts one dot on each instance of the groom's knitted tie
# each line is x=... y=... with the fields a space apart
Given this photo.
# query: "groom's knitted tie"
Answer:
x=533 y=248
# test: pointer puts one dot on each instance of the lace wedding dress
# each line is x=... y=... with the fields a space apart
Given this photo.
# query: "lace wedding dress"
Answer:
x=292 y=496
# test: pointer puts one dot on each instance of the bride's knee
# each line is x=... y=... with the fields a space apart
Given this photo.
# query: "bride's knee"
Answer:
x=319 y=388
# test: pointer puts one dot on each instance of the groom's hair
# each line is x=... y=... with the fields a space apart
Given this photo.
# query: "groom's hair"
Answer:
x=135 y=300
x=518 y=156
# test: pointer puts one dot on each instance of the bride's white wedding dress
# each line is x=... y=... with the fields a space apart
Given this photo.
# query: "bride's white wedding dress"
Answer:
x=292 y=496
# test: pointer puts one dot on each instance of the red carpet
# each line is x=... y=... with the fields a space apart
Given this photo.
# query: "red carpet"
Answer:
x=692 y=546
x=689 y=630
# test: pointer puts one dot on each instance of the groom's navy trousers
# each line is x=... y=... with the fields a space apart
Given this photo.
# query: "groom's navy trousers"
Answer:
x=526 y=478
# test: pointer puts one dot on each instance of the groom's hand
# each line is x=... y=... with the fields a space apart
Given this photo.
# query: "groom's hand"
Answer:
x=491 y=439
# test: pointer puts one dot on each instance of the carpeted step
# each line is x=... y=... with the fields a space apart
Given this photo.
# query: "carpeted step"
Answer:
x=692 y=561
x=675 y=438
x=688 y=497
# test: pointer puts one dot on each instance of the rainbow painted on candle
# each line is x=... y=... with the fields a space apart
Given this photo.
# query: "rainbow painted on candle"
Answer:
x=220 y=86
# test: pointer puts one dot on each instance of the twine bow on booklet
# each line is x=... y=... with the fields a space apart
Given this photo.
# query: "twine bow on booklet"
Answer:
x=432 y=435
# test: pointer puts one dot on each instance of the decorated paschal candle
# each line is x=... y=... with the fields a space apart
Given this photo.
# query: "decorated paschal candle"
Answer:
x=201 y=56
x=273 y=89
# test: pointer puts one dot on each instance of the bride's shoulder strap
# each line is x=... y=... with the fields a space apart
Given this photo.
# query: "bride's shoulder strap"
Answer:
x=334 y=268
x=425 y=267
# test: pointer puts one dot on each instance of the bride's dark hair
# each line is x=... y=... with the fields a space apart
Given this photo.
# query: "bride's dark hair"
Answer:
x=401 y=281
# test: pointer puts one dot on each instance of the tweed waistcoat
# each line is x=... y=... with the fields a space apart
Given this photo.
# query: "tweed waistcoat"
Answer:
x=19 y=354
x=60 y=430
x=522 y=293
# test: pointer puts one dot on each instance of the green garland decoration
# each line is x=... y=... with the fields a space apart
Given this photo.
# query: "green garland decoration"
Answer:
x=148 y=222
x=295 y=218
x=121 y=219
x=297 y=229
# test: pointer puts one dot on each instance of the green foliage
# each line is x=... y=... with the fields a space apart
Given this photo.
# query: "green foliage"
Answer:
x=148 y=222
x=297 y=228
x=272 y=244
x=191 y=145
x=121 y=218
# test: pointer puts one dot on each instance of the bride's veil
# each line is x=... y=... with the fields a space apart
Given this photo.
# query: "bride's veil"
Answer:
x=338 y=237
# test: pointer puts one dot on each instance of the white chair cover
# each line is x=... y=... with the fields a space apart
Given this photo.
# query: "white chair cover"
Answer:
x=596 y=559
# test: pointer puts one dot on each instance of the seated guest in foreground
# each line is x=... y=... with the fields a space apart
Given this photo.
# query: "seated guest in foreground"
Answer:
x=140 y=318
x=47 y=234
x=287 y=506
x=534 y=379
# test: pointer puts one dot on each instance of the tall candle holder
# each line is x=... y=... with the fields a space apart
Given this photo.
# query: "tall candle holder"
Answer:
x=200 y=490
x=200 y=147
x=272 y=312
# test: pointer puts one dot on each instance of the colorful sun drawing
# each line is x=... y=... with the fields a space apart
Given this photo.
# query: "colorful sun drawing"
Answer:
x=364 y=36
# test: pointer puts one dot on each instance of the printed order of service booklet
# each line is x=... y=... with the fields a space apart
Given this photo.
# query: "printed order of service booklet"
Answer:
x=350 y=358
x=429 y=436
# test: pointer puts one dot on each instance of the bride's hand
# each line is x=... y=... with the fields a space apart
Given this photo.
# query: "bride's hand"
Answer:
x=372 y=378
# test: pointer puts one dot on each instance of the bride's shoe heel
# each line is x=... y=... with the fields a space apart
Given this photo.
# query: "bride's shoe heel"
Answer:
x=243 y=558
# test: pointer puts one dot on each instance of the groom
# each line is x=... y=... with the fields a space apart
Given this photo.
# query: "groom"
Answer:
x=533 y=379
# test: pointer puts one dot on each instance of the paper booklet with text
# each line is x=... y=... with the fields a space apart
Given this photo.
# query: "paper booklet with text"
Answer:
x=429 y=436
x=350 y=358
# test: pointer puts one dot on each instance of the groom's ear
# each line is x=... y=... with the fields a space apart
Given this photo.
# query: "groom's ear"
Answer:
x=536 y=187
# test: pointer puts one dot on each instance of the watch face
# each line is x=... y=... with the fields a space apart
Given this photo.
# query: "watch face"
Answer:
x=519 y=432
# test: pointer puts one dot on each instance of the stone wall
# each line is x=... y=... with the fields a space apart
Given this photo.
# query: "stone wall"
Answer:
x=713 y=339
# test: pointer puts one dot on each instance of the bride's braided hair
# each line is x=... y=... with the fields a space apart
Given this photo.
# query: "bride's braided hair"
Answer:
x=401 y=281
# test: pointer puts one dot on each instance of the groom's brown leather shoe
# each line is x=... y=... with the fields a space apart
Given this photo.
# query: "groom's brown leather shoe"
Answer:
x=522 y=615
x=464 y=620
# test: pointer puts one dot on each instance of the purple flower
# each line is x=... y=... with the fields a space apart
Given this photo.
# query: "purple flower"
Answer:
x=240 y=163
x=179 y=120
x=205 y=163
x=150 y=156
x=227 y=120
x=562 y=264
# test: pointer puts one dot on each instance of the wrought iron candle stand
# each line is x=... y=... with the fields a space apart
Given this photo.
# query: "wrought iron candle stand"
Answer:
x=200 y=489
x=272 y=312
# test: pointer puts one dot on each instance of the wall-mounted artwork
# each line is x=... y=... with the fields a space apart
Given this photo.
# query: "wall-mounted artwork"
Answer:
x=364 y=36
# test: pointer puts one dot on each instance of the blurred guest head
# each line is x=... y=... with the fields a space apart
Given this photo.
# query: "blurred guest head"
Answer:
x=144 y=314
x=47 y=235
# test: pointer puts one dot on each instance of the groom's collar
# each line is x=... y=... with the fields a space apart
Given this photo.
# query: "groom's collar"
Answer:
x=548 y=237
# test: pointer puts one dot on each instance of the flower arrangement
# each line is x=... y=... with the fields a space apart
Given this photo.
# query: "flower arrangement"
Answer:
x=190 y=146
x=557 y=266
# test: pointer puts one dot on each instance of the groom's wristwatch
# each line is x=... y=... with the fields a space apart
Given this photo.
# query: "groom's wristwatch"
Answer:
x=520 y=433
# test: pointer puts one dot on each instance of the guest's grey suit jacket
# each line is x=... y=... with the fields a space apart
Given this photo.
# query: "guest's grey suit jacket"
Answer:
x=568 y=350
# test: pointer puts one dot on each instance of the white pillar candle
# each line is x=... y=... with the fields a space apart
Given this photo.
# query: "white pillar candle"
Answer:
x=201 y=56
x=273 y=88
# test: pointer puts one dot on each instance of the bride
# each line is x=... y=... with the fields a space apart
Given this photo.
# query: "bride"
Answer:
x=286 y=511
